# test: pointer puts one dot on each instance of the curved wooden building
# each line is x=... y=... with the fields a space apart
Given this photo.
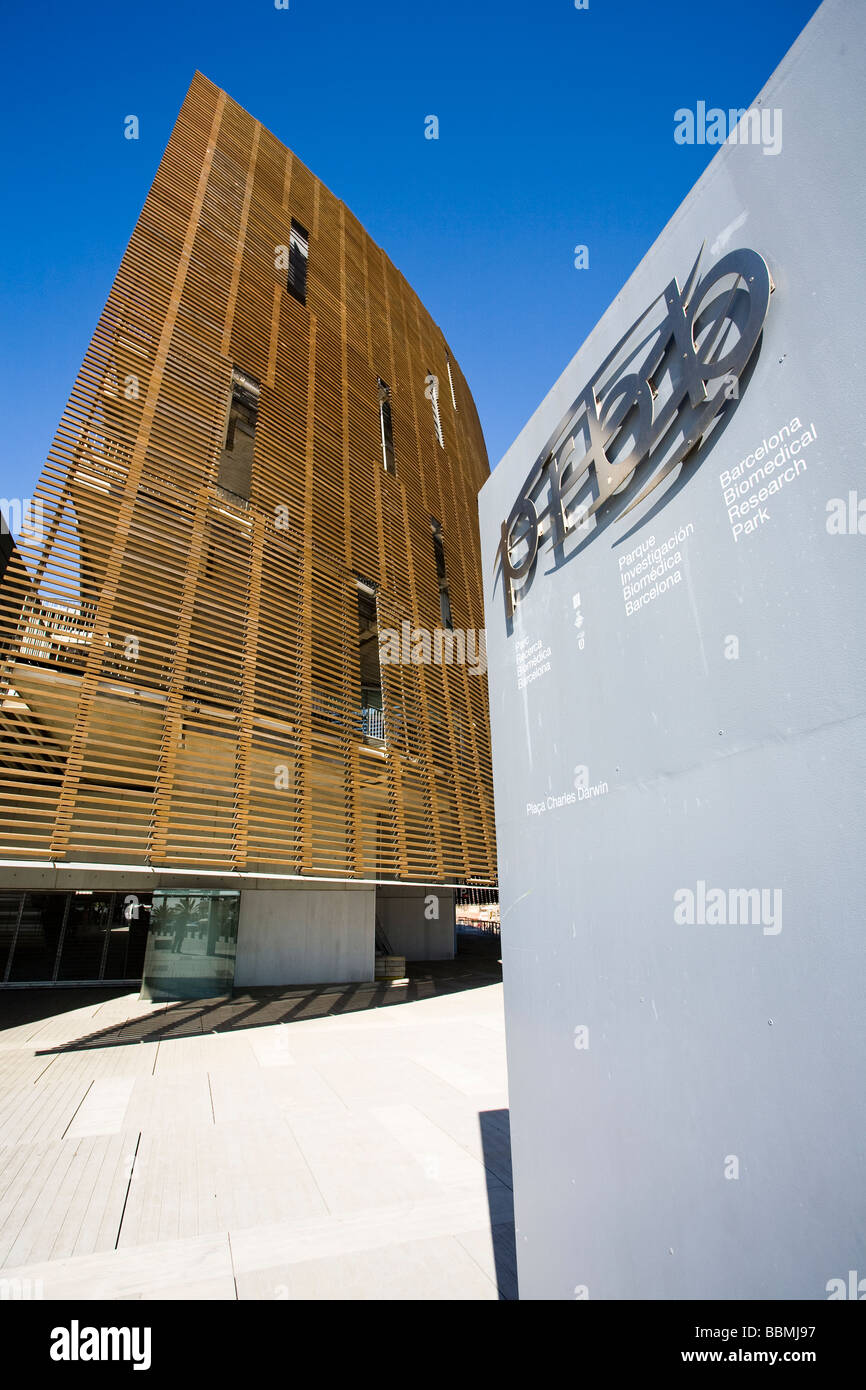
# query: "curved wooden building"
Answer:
x=267 y=468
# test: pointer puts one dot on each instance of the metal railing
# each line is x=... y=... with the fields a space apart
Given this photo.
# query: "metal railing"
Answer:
x=373 y=723
x=477 y=910
x=51 y=629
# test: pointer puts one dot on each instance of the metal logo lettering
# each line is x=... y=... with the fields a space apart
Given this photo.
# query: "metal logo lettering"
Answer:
x=633 y=425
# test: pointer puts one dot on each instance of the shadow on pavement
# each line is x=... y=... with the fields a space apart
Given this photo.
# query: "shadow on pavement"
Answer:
x=496 y=1145
x=474 y=967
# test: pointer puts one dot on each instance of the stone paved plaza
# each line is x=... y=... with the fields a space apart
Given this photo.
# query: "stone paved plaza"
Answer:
x=332 y=1142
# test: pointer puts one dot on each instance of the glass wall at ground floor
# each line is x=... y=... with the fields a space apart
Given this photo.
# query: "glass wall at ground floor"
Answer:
x=191 y=945
x=72 y=938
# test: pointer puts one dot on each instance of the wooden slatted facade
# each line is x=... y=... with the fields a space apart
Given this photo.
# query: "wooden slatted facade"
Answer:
x=180 y=669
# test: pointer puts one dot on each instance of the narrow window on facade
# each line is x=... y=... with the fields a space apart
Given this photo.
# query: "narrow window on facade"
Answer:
x=433 y=393
x=236 y=460
x=387 y=432
x=372 y=712
x=299 y=253
x=451 y=382
x=439 y=556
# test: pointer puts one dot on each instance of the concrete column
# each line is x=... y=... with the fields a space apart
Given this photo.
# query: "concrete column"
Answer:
x=418 y=922
x=300 y=935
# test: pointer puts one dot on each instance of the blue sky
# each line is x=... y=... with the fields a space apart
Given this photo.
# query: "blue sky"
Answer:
x=556 y=129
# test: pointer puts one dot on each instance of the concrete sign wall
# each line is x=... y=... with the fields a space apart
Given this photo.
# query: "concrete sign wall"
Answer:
x=679 y=736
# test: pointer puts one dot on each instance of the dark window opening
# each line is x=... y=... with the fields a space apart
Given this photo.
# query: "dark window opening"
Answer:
x=236 y=460
x=439 y=556
x=299 y=254
x=7 y=545
x=372 y=711
x=386 y=426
